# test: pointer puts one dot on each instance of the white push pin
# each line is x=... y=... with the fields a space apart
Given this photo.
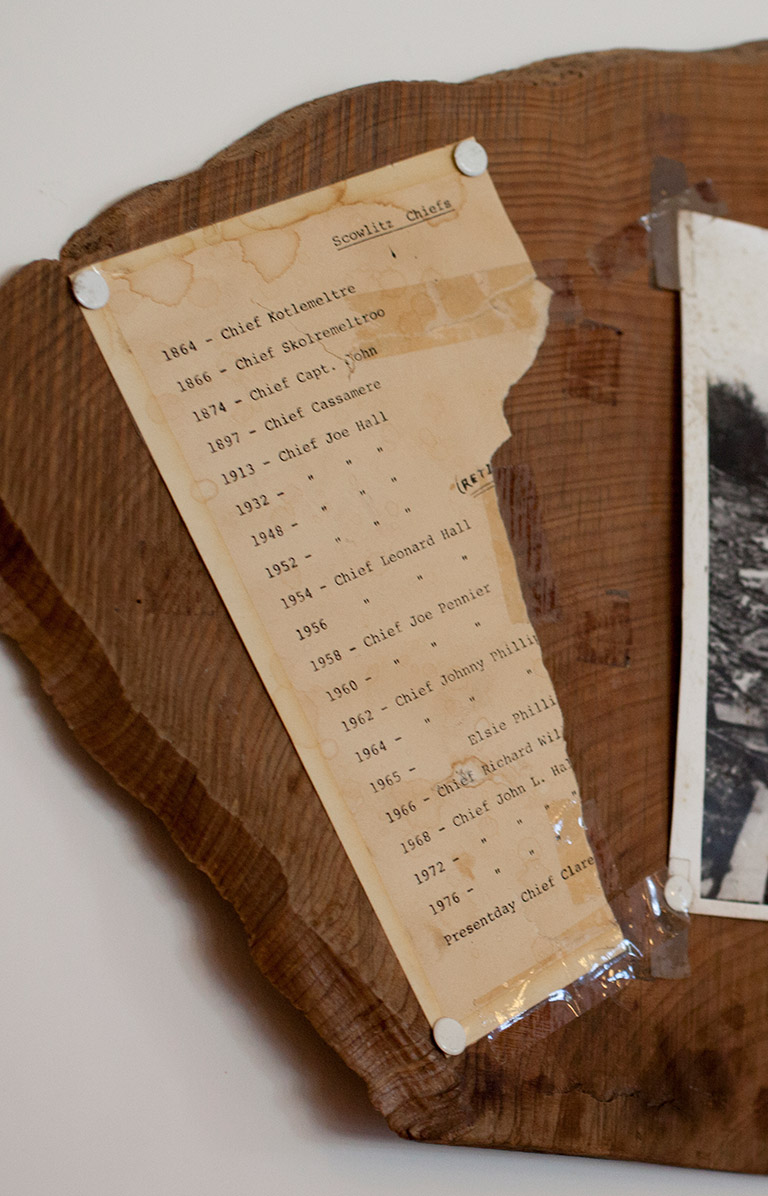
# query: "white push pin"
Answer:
x=450 y=1036
x=679 y=894
x=470 y=157
x=90 y=288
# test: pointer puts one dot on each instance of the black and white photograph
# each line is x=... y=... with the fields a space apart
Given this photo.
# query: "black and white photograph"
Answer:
x=734 y=850
x=720 y=826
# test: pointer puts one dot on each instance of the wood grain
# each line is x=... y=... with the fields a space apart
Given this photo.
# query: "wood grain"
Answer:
x=103 y=589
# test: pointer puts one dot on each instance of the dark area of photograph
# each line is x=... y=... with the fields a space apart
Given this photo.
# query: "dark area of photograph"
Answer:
x=735 y=823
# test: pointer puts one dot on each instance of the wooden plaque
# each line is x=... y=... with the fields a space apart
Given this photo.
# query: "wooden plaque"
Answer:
x=102 y=588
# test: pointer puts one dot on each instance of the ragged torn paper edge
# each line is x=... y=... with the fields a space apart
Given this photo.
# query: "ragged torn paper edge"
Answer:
x=598 y=940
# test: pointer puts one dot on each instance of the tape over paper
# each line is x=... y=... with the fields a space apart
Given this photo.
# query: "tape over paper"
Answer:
x=671 y=193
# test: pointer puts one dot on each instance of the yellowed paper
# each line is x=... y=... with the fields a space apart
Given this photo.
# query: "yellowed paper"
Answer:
x=321 y=385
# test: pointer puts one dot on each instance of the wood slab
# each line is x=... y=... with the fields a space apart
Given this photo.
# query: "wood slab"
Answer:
x=102 y=588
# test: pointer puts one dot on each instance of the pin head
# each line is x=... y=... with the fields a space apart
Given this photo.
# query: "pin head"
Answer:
x=450 y=1036
x=90 y=288
x=470 y=157
x=678 y=894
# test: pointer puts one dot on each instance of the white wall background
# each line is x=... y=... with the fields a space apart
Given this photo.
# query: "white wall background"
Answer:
x=140 y=1052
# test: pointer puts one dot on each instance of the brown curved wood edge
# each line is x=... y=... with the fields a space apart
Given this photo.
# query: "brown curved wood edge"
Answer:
x=101 y=586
